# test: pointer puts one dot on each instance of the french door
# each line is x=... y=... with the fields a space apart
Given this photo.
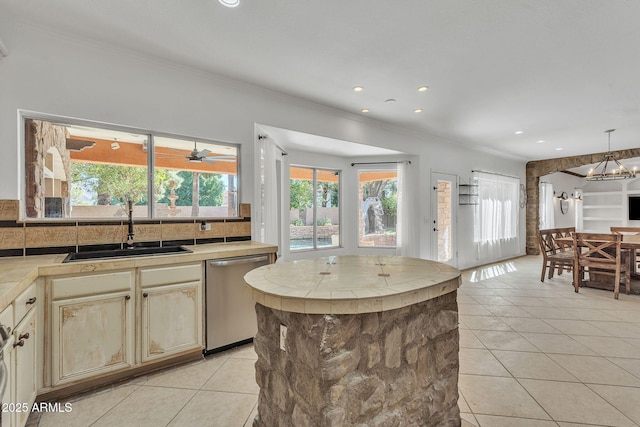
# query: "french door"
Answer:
x=444 y=212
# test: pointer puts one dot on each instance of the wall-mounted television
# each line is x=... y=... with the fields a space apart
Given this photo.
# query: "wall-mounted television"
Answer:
x=634 y=207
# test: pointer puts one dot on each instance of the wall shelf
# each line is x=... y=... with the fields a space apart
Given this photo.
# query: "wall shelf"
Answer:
x=602 y=207
x=468 y=194
x=602 y=210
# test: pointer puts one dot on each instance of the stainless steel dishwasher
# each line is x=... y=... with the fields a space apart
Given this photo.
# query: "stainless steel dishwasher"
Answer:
x=230 y=312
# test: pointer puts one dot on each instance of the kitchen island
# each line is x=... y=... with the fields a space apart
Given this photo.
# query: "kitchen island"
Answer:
x=356 y=340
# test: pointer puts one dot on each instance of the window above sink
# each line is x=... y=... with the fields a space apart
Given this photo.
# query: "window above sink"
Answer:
x=76 y=169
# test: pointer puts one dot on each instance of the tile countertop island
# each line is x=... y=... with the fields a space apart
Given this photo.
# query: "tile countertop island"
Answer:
x=356 y=340
x=17 y=273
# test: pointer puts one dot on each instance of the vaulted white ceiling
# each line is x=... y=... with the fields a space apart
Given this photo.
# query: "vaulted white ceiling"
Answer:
x=560 y=71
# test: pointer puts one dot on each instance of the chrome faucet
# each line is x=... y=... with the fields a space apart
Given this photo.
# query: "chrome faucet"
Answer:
x=130 y=222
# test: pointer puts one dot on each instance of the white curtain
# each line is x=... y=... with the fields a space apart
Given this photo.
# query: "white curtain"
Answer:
x=266 y=200
x=496 y=217
x=546 y=206
x=406 y=229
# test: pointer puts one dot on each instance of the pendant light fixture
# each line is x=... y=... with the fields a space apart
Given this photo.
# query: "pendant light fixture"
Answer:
x=617 y=170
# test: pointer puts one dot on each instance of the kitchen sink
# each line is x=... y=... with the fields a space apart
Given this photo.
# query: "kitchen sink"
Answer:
x=125 y=253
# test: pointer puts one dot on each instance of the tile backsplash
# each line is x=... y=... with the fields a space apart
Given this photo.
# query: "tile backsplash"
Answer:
x=9 y=210
x=34 y=237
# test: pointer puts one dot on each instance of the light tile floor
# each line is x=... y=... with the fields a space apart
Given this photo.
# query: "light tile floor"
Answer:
x=532 y=354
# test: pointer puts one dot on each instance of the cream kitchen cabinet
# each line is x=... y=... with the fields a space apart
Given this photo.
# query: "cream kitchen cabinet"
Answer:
x=25 y=365
x=92 y=325
x=6 y=320
x=113 y=324
x=20 y=358
x=171 y=310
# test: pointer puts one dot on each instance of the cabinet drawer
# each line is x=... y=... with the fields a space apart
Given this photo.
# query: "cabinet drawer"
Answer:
x=67 y=287
x=25 y=302
x=171 y=274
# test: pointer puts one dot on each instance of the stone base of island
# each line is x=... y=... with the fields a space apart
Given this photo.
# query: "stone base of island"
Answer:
x=370 y=341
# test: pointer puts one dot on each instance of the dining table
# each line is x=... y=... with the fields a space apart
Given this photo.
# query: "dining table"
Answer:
x=630 y=242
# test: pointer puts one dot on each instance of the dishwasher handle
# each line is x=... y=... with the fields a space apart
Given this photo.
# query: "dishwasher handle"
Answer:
x=242 y=260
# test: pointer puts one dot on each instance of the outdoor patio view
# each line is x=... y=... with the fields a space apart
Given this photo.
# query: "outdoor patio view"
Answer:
x=88 y=172
x=314 y=214
x=378 y=191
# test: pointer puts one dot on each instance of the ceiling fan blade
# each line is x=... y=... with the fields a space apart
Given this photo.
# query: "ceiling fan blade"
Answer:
x=203 y=153
x=222 y=156
x=208 y=160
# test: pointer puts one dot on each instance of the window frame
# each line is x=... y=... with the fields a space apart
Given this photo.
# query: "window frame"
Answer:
x=24 y=115
x=377 y=168
x=314 y=190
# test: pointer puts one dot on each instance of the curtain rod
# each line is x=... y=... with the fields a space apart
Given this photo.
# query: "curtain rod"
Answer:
x=495 y=173
x=284 y=153
x=379 y=163
x=282 y=150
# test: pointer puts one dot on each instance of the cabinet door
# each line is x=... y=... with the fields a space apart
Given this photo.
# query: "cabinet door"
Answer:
x=171 y=319
x=25 y=364
x=7 y=417
x=91 y=335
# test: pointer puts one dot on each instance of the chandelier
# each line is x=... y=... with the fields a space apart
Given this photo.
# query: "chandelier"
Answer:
x=618 y=170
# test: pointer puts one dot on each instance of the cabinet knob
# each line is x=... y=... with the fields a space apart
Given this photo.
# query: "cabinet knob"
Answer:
x=18 y=344
x=145 y=294
x=25 y=336
x=31 y=301
x=127 y=297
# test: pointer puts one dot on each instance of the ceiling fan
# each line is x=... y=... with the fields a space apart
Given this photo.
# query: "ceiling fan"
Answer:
x=198 y=156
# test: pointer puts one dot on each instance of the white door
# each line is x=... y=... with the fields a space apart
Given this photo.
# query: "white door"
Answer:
x=444 y=203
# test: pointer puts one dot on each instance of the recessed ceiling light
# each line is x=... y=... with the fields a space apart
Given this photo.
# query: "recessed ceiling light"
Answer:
x=518 y=132
x=540 y=141
x=358 y=89
x=418 y=110
x=423 y=88
x=230 y=3
x=390 y=100
x=559 y=149
x=365 y=110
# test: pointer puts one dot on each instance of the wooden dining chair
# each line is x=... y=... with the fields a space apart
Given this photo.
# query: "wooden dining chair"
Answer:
x=600 y=254
x=555 y=256
x=629 y=231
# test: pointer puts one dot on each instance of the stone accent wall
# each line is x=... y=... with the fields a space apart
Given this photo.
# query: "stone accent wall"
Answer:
x=539 y=168
x=39 y=138
x=393 y=368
